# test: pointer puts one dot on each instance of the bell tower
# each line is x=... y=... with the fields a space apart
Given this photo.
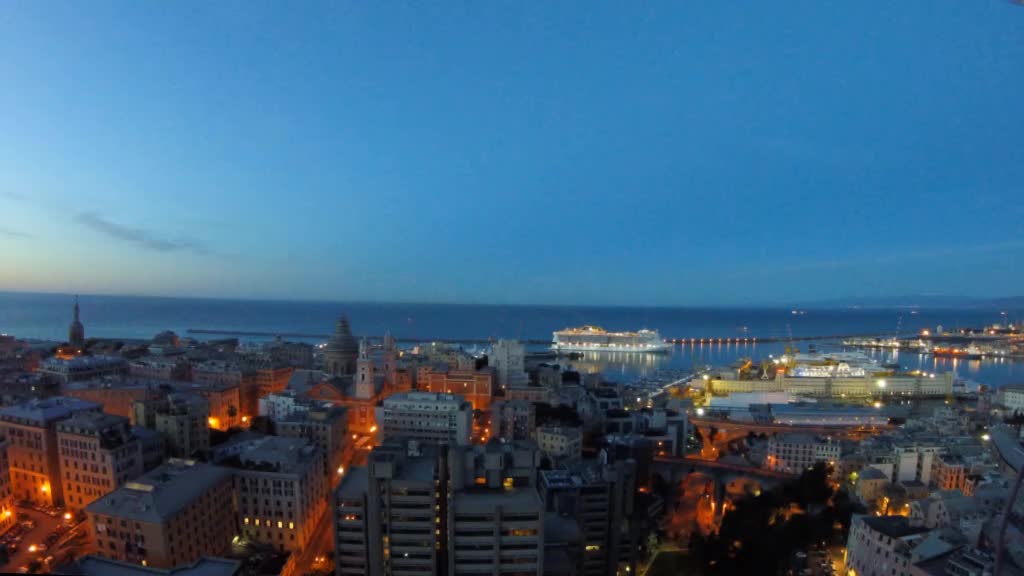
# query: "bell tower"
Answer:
x=365 y=387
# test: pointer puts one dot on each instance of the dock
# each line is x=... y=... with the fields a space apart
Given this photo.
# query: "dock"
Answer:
x=534 y=341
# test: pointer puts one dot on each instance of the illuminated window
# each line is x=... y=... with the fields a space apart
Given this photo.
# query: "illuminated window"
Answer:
x=257 y=521
x=280 y=524
x=291 y=525
x=245 y=520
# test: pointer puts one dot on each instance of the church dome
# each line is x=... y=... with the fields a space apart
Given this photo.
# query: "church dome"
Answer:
x=342 y=349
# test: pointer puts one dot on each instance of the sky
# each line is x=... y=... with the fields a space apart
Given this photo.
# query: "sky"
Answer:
x=655 y=153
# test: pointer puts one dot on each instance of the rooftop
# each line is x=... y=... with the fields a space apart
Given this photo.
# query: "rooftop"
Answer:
x=98 y=566
x=892 y=526
x=274 y=454
x=47 y=410
x=162 y=492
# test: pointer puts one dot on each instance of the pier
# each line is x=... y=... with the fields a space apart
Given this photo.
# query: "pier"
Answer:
x=682 y=341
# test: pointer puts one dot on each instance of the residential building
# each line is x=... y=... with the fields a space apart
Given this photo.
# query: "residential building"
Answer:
x=181 y=418
x=98 y=453
x=476 y=386
x=425 y=416
x=508 y=357
x=327 y=428
x=871 y=484
x=160 y=368
x=65 y=370
x=915 y=459
x=7 y=517
x=116 y=394
x=560 y=442
x=950 y=472
x=173 y=515
x=31 y=432
x=883 y=545
x=281 y=491
x=513 y=420
x=794 y=453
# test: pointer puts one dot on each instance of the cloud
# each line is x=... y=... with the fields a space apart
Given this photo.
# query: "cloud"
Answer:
x=13 y=233
x=145 y=238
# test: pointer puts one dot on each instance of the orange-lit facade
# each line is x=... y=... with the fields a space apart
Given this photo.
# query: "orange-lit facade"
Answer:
x=7 y=515
x=30 y=430
x=476 y=386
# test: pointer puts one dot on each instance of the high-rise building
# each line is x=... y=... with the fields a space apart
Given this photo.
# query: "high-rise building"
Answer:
x=31 y=432
x=173 y=515
x=425 y=416
x=281 y=490
x=433 y=509
x=182 y=419
x=508 y=357
x=98 y=453
x=600 y=497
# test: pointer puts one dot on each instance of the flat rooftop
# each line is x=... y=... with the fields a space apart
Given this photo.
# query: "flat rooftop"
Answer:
x=99 y=566
x=47 y=410
x=162 y=492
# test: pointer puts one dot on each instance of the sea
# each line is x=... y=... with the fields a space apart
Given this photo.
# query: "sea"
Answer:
x=46 y=317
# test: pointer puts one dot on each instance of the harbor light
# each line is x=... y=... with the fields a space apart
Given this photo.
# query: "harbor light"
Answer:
x=986 y=437
x=700 y=411
x=881 y=383
x=878 y=404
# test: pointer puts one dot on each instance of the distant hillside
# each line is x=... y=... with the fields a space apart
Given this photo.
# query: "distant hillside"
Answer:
x=923 y=301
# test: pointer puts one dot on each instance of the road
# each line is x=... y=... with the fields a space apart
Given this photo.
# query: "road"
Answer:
x=318 y=547
x=24 y=555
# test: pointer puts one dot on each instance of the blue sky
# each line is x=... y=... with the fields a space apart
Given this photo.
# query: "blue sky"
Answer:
x=663 y=153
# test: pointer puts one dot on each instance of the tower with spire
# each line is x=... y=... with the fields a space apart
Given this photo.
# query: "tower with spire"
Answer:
x=76 y=332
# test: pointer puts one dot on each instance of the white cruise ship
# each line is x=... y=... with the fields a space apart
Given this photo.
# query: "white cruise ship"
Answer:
x=597 y=339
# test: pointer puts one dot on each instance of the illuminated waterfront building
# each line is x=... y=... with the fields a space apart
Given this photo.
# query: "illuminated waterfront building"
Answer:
x=98 y=453
x=30 y=429
x=173 y=515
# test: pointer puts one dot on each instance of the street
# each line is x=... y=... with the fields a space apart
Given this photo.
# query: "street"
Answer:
x=33 y=546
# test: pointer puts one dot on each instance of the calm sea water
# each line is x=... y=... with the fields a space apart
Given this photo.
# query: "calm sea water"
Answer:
x=46 y=316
